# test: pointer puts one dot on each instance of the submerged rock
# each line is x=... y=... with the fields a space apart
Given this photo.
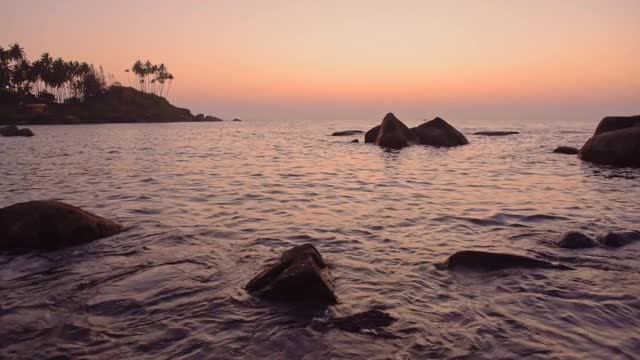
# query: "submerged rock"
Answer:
x=438 y=132
x=49 y=225
x=566 y=150
x=369 y=322
x=490 y=261
x=347 y=133
x=236 y=120
x=496 y=133
x=394 y=134
x=355 y=141
x=576 y=240
x=619 y=238
x=299 y=275
x=619 y=147
x=12 y=130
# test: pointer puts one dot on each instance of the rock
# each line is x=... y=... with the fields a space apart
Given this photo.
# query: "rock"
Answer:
x=299 y=275
x=371 y=135
x=199 y=117
x=438 y=132
x=619 y=147
x=496 y=133
x=48 y=225
x=347 y=133
x=236 y=120
x=355 y=141
x=612 y=123
x=489 y=261
x=566 y=150
x=12 y=130
x=368 y=322
x=212 y=118
x=619 y=238
x=394 y=134
x=576 y=240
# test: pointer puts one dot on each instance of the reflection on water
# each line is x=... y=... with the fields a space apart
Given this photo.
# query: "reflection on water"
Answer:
x=207 y=204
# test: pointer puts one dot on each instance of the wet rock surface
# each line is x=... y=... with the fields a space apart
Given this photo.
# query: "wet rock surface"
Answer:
x=490 y=261
x=619 y=238
x=439 y=133
x=568 y=150
x=576 y=240
x=299 y=275
x=347 y=133
x=12 y=130
x=50 y=225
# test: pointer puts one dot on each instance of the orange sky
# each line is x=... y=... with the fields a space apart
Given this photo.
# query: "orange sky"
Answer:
x=563 y=60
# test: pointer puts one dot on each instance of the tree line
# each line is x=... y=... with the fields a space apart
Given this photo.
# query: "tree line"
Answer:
x=47 y=78
x=50 y=79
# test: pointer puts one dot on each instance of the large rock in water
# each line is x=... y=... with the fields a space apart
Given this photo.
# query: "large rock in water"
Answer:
x=438 y=132
x=568 y=150
x=49 y=225
x=616 y=141
x=371 y=135
x=576 y=240
x=12 y=130
x=394 y=134
x=489 y=261
x=299 y=275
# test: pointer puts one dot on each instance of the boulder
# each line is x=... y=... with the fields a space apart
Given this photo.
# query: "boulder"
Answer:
x=371 y=135
x=299 y=275
x=566 y=150
x=619 y=238
x=355 y=141
x=576 y=240
x=212 y=118
x=496 y=133
x=616 y=147
x=347 y=133
x=49 y=225
x=199 y=117
x=490 y=261
x=12 y=130
x=236 y=120
x=612 y=123
x=438 y=132
x=394 y=134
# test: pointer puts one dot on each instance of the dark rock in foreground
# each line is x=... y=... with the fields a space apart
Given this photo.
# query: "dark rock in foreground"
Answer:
x=355 y=141
x=438 y=132
x=347 y=133
x=299 y=275
x=566 y=150
x=394 y=134
x=619 y=238
x=496 y=133
x=489 y=261
x=368 y=322
x=576 y=240
x=49 y=225
x=12 y=130
x=616 y=141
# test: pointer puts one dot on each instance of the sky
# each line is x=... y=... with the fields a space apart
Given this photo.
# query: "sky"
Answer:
x=528 y=60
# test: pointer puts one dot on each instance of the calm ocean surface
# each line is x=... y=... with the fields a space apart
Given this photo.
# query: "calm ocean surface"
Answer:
x=207 y=204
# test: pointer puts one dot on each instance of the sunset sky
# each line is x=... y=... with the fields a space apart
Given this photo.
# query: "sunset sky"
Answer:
x=470 y=60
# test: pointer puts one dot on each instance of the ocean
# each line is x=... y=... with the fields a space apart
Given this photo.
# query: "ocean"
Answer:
x=206 y=205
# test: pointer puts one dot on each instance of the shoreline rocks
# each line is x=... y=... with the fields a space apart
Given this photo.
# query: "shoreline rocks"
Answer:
x=616 y=141
x=491 y=261
x=394 y=134
x=50 y=225
x=439 y=133
x=299 y=275
x=13 y=130
x=567 y=150
x=496 y=133
x=347 y=133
